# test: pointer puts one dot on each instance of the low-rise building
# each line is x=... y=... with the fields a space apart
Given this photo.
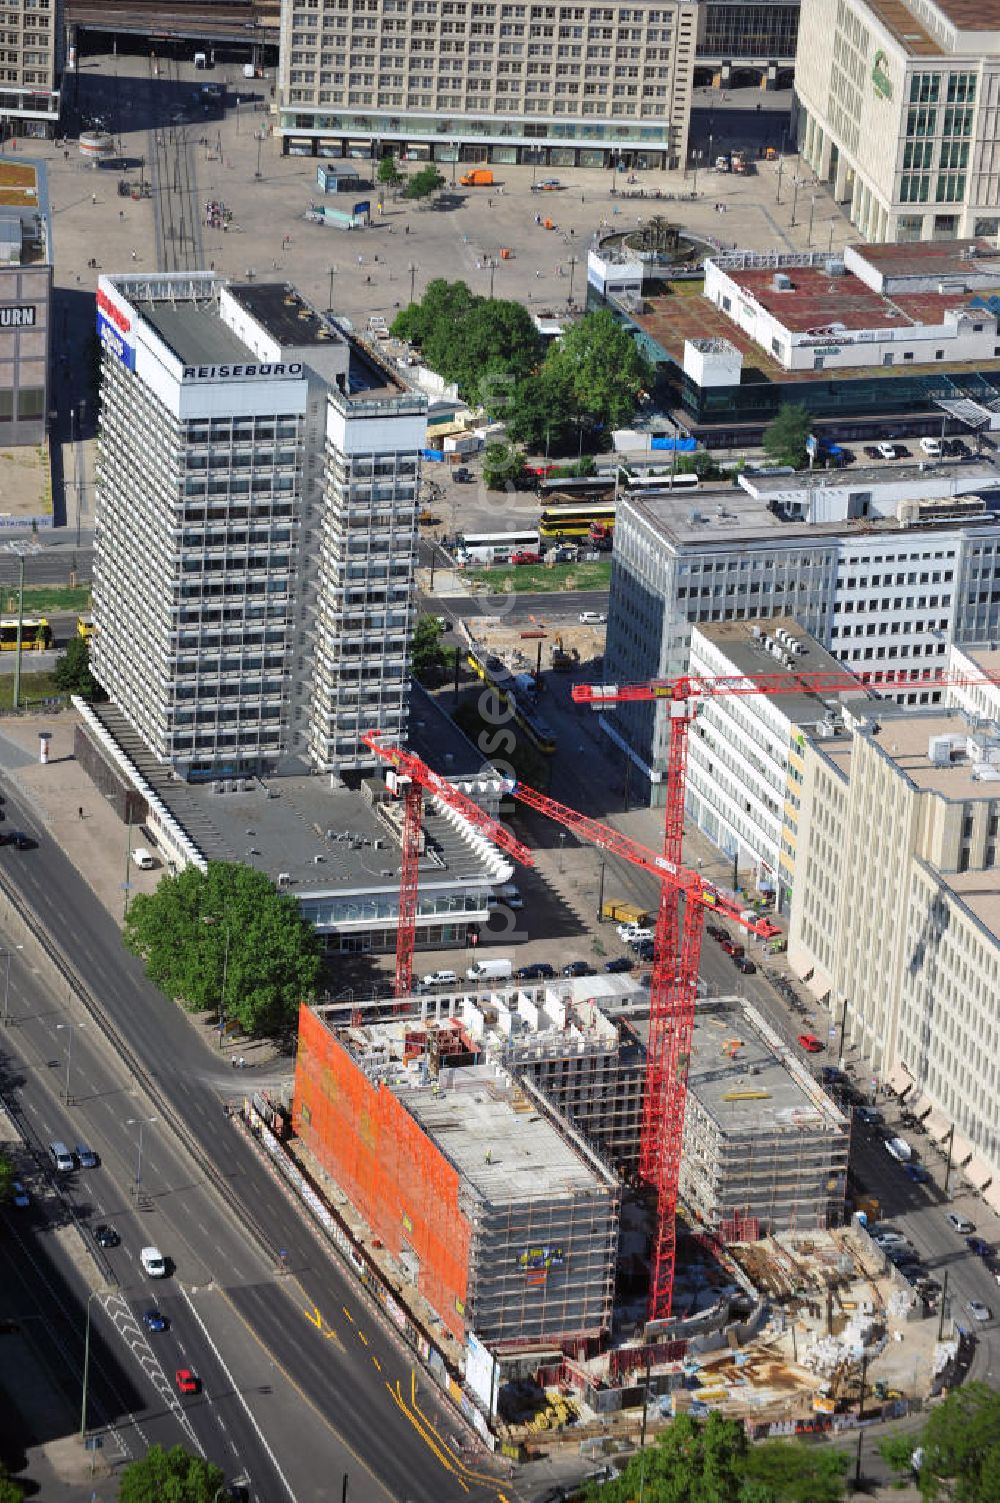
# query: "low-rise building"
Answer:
x=896 y=920
x=744 y=770
x=980 y=666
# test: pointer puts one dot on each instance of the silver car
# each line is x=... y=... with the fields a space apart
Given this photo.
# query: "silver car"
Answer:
x=979 y=1311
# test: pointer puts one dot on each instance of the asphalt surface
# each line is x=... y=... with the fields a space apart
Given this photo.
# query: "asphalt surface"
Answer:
x=332 y=1351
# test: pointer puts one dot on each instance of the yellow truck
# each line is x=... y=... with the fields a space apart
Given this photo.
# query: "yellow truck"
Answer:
x=626 y=913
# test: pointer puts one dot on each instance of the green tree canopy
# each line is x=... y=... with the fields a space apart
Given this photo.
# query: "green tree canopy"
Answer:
x=961 y=1448
x=72 y=673
x=711 y=1461
x=172 y=1476
x=388 y=172
x=602 y=369
x=10 y=1491
x=484 y=344
x=502 y=463
x=428 y=659
x=6 y=1176
x=227 y=935
x=785 y=437
x=423 y=183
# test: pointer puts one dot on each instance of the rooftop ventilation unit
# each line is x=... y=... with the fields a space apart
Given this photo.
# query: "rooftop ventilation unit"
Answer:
x=781 y=282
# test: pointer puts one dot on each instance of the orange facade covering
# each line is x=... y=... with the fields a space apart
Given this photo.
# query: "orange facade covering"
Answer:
x=385 y=1164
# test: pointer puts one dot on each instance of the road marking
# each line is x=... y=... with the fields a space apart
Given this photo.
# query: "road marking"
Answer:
x=362 y=1338
x=378 y=1365
x=348 y=1314
x=314 y=1317
x=246 y=1407
x=449 y=1466
x=466 y=1470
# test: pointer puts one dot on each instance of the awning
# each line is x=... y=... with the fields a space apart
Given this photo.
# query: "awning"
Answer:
x=937 y=1125
x=961 y=1150
x=991 y=1195
x=978 y=1172
x=900 y=1079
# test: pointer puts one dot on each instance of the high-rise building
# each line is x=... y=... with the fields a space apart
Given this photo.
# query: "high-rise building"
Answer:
x=884 y=572
x=897 y=111
x=25 y=297
x=30 y=66
x=255 y=533
x=590 y=85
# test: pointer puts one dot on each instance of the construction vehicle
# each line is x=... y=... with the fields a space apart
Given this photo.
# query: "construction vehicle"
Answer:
x=739 y=162
x=478 y=177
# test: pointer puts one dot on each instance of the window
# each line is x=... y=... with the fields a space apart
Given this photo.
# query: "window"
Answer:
x=914 y=188
x=921 y=122
x=925 y=88
x=917 y=154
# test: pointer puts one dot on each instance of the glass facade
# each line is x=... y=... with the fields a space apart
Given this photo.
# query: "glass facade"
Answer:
x=750 y=31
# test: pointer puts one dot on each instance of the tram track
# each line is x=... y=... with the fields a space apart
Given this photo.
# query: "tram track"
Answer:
x=176 y=218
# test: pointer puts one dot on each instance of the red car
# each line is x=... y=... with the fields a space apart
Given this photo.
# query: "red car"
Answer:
x=526 y=558
x=734 y=948
x=186 y=1381
x=810 y=1043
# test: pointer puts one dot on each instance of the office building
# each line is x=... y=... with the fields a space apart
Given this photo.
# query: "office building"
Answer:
x=590 y=85
x=256 y=529
x=883 y=572
x=492 y=1205
x=32 y=59
x=897 y=104
x=896 y=919
x=744 y=772
x=25 y=297
x=741 y=45
x=980 y=665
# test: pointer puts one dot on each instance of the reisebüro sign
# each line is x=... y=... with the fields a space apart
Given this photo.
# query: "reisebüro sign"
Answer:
x=239 y=372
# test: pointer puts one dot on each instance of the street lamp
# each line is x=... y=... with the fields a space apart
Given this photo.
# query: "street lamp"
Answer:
x=141 y=1122
x=413 y=272
x=795 y=198
x=329 y=299
x=6 y=986
x=69 y=1053
x=573 y=263
x=104 y=1289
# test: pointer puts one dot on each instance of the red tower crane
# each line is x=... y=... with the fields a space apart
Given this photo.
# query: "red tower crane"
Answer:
x=678 y=938
x=407 y=778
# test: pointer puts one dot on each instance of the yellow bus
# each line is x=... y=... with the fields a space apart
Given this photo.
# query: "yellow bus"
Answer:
x=85 y=626
x=36 y=634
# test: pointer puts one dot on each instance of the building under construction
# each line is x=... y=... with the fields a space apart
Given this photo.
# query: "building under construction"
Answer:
x=493 y=1205
x=765 y=1148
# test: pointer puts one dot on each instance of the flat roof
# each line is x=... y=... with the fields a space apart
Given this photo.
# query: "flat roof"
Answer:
x=747 y=1080
x=685 y=313
x=905 y=738
x=749 y=656
x=946 y=258
x=982 y=473
x=901 y=23
x=506 y=1156
x=193 y=330
x=731 y=518
x=821 y=304
x=284 y=313
x=971 y=15
x=986 y=658
x=19 y=185
x=979 y=891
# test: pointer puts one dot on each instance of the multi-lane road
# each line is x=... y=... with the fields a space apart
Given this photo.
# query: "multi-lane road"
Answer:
x=302 y=1382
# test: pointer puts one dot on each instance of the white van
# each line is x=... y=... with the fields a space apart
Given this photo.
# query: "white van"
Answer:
x=153 y=1262
x=490 y=970
x=143 y=859
x=931 y=447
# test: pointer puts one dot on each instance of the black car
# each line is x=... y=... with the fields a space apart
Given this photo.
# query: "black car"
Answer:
x=902 y=452
x=539 y=971
x=620 y=963
x=577 y=968
x=645 y=949
x=717 y=932
x=106 y=1236
x=871 y=452
x=21 y=841
x=955 y=448
x=745 y=964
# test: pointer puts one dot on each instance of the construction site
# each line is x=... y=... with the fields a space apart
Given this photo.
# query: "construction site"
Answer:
x=485 y=1142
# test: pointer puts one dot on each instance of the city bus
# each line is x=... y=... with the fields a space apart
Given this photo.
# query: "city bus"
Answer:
x=592 y=486
x=681 y=480
x=494 y=547
x=587 y=519
x=36 y=634
x=494 y=672
x=85 y=625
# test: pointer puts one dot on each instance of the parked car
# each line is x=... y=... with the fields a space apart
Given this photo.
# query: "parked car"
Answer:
x=437 y=978
x=105 y=1235
x=631 y=930
x=186 y=1380
x=645 y=949
x=19 y=1195
x=979 y=1312
x=979 y=1246
x=871 y=451
x=902 y=452
x=154 y=1321
x=462 y=474
x=931 y=447
x=525 y=556
x=744 y=964
x=955 y=448
x=961 y=1224
x=577 y=968
x=86 y=1157
x=620 y=963
x=869 y=1115
x=810 y=1043
x=716 y=932
x=732 y=947
x=538 y=970
x=592 y=618
x=917 y=1173
x=21 y=841
x=886 y=451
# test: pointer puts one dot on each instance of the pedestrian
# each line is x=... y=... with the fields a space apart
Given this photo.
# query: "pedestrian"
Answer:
x=361 y=260
x=368 y=280
x=538 y=218
x=93 y=198
x=406 y=230
x=489 y=203
x=134 y=256
x=65 y=156
x=80 y=812
x=121 y=213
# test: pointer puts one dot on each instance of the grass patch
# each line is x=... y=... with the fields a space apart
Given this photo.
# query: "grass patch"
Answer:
x=39 y=600
x=34 y=687
x=533 y=579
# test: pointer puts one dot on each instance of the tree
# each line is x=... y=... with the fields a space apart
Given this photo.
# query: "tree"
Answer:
x=228 y=938
x=172 y=1476
x=961 y=1447
x=486 y=345
x=541 y=413
x=423 y=183
x=602 y=369
x=502 y=464
x=389 y=173
x=6 y=1176
x=790 y=1472
x=10 y=1491
x=428 y=659
x=785 y=437
x=72 y=674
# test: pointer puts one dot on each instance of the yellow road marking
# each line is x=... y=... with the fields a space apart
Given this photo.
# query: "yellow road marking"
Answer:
x=467 y=1471
x=348 y=1314
x=378 y=1365
x=397 y=1399
x=314 y=1317
x=362 y=1338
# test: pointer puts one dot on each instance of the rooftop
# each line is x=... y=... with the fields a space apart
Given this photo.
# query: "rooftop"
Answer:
x=750 y=656
x=748 y=1080
x=19 y=185
x=193 y=330
x=972 y=15
x=964 y=478
x=945 y=258
x=500 y=1143
x=901 y=23
x=820 y=304
x=906 y=739
x=286 y=316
